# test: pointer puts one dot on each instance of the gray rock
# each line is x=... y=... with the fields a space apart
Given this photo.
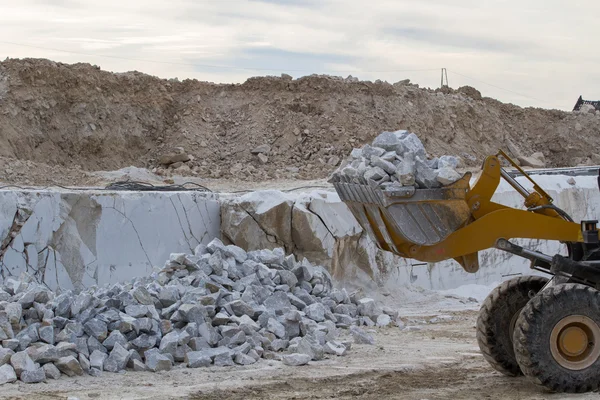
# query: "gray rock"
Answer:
x=360 y=336
x=209 y=333
x=144 y=341
x=366 y=321
x=167 y=296
x=196 y=359
x=158 y=362
x=14 y=312
x=448 y=161
x=97 y=359
x=388 y=141
x=94 y=344
x=236 y=252
x=276 y=327
x=84 y=362
x=223 y=360
x=368 y=308
x=239 y=308
x=279 y=344
x=387 y=166
x=296 y=302
x=117 y=359
x=384 y=320
x=113 y=338
x=244 y=359
x=51 y=371
x=168 y=343
x=368 y=151
x=278 y=301
x=12 y=344
x=412 y=144
x=310 y=346
x=96 y=328
x=405 y=171
x=5 y=355
x=46 y=334
x=375 y=173
x=69 y=366
x=447 y=176
x=81 y=302
x=136 y=310
x=335 y=348
x=316 y=312
x=425 y=176
x=36 y=376
x=22 y=362
x=288 y=278
x=139 y=366
x=142 y=295
x=7 y=374
x=95 y=372
x=296 y=359
x=145 y=325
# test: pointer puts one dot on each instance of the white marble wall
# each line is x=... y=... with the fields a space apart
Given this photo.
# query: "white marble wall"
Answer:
x=76 y=239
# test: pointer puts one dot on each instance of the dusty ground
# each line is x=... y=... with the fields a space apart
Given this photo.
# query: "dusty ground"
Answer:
x=439 y=361
x=71 y=119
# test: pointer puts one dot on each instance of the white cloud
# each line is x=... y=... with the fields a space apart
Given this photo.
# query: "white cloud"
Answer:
x=544 y=49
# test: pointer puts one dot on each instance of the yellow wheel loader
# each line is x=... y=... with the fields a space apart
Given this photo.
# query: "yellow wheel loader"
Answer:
x=545 y=328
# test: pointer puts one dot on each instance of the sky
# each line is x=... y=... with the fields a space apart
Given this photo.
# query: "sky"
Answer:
x=541 y=53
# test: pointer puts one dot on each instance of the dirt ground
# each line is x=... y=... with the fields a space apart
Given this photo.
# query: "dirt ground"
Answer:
x=67 y=120
x=438 y=361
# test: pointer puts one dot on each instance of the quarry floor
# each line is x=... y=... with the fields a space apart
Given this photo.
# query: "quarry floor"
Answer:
x=439 y=361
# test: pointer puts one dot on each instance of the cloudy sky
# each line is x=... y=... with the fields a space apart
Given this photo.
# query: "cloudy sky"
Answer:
x=541 y=53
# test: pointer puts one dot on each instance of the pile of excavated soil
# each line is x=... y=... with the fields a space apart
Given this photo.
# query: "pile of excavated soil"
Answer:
x=79 y=118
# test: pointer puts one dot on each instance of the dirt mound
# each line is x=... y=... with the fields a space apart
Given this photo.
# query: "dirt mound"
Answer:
x=80 y=117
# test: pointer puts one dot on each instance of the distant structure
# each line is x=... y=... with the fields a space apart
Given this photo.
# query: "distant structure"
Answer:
x=581 y=101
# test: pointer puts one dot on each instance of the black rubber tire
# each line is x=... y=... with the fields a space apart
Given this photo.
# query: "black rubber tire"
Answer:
x=532 y=337
x=493 y=324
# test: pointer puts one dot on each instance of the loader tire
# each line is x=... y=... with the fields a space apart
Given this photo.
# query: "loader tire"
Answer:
x=557 y=338
x=497 y=318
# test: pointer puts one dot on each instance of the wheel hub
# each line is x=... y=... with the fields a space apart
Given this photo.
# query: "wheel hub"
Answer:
x=575 y=342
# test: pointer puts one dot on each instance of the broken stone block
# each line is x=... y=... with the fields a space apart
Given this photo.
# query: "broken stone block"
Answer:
x=96 y=328
x=223 y=360
x=244 y=359
x=46 y=334
x=335 y=348
x=22 y=362
x=36 y=376
x=97 y=359
x=412 y=144
x=276 y=327
x=51 y=371
x=316 y=312
x=296 y=359
x=113 y=338
x=139 y=366
x=360 y=336
x=310 y=346
x=405 y=172
x=197 y=359
x=158 y=362
x=69 y=366
x=5 y=355
x=387 y=166
x=375 y=174
x=447 y=176
x=425 y=176
x=136 y=310
x=116 y=360
x=7 y=374
x=448 y=161
x=384 y=320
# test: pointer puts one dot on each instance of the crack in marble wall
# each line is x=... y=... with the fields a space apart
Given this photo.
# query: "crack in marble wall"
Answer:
x=72 y=240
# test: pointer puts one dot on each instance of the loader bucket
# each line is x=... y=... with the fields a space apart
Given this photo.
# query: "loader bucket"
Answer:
x=400 y=219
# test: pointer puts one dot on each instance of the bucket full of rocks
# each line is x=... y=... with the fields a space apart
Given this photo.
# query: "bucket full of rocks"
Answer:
x=401 y=197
